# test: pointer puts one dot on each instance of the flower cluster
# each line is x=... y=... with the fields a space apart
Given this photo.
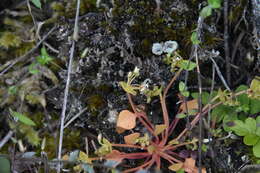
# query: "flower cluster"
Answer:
x=167 y=47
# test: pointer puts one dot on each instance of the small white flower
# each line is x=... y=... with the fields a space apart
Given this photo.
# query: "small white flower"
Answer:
x=157 y=49
x=136 y=71
x=170 y=46
x=215 y=53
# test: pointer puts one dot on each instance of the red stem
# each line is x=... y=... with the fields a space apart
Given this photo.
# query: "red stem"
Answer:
x=128 y=146
x=169 y=158
x=150 y=162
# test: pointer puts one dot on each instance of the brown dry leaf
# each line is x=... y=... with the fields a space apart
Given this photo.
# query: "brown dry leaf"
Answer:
x=192 y=104
x=130 y=139
x=189 y=165
x=175 y=166
x=159 y=129
x=126 y=120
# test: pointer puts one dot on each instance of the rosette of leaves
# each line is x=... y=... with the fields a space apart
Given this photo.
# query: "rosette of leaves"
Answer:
x=250 y=130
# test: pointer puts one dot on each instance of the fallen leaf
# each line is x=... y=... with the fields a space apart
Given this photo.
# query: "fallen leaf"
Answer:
x=126 y=120
x=130 y=139
x=192 y=104
x=189 y=165
x=159 y=129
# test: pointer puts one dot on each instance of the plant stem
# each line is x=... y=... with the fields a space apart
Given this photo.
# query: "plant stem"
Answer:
x=164 y=107
x=169 y=158
x=205 y=111
x=150 y=162
x=128 y=146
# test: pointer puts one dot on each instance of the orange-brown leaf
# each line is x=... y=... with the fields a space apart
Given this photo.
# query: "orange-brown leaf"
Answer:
x=126 y=120
x=130 y=139
x=189 y=165
x=192 y=104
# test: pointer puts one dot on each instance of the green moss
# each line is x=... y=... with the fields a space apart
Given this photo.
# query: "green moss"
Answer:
x=72 y=139
x=9 y=39
x=95 y=102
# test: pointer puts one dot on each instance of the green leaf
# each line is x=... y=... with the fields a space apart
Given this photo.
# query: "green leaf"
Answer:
x=180 y=171
x=251 y=125
x=240 y=128
x=12 y=90
x=185 y=93
x=204 y=96
x=182 y=86
x=227 y=119
x=206 y=11
x=215 y=3
x=257 y=126
x=33 y=69
x=37 y=3
x=243 y=99
x=221 y=111
x=31 y=135
x=181 y=115
x=44 y=58
x=187 y=65
x=128 y=88
x=250 y=139
x=256 y=149
x=194 y=38
x=5 y=166
x=254 y=106
x=255 y=88
x=22 y=118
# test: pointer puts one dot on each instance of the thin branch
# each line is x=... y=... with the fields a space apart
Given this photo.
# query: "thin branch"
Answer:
x=6 y=138
x=75 y=117
x=64 y=107
x=200 y=106
x=226 y=44
x=220 y=75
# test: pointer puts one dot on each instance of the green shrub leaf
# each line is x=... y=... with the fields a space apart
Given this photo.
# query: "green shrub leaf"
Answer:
x=206 y=11
x=22 y=118
x=37 y=3
x=187 y=65
x=254 y=106
x=251 y=125
x=215 y=3
x=181 y=115
x=251 y=139
x=5 y=166
x=194 y=38
x=240 y=128
x=256 y=149
x=257 y=126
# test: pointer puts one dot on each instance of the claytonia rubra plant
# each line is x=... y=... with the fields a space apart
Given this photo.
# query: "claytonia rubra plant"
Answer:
x=158 y=143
